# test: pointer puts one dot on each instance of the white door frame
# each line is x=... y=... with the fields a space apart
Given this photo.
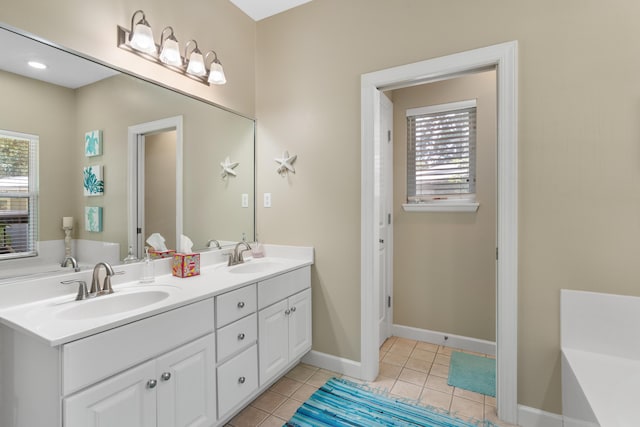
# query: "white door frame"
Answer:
x=134 y=132
x=504 y=58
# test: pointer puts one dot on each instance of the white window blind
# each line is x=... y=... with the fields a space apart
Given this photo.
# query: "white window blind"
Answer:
x=441 y=151
x=18 y=194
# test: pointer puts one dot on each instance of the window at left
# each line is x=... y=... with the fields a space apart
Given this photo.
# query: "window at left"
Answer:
x=18 y=194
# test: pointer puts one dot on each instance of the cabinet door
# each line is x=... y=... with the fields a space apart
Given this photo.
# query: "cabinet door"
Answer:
x=186 y=385
x=299 y=324
x=273 y=340
x=125 y=400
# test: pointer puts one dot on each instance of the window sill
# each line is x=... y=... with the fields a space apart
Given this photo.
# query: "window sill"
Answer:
x=441 y=206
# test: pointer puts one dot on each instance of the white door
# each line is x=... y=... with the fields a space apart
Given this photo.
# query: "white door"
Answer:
x=126 y=400
x=385 y=206
x=186 y=385
x=273 y=337
x=299 y=324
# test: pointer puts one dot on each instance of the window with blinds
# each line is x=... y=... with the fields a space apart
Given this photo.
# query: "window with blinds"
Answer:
x=441 y=152
x=18 y=195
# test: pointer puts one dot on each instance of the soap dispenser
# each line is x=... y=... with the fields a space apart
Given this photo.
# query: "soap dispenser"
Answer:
x=257 y=251
x=130 y=258
x=148 y=273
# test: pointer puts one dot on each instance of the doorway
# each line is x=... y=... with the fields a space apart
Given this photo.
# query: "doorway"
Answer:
x=504 y=58
x=155 y=182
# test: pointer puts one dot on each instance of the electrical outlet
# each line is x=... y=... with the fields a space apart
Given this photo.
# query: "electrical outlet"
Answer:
x=245 y=200
x=267 y=200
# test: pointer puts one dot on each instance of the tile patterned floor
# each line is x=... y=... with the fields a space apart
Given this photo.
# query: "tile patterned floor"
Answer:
x=408 y=368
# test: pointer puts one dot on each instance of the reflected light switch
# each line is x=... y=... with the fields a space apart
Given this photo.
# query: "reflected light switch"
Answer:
x=245 y=200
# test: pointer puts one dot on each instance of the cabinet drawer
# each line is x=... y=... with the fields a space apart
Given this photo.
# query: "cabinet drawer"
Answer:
x=235 y=305
x=237 y=336
x=91 y=359
x=281 y=287
x=237 y=379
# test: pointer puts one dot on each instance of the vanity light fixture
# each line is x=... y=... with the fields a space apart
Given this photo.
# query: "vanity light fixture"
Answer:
x=138 y=39
x=141 y=36
x=216 y=72
x=170 y=49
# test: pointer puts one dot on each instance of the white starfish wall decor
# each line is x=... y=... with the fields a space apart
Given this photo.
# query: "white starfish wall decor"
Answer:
x=286 y=163
x=228 y=168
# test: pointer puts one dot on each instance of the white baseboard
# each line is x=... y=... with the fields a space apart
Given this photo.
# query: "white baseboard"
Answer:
x=532 y=417
x=329 y=362
x=440 y=338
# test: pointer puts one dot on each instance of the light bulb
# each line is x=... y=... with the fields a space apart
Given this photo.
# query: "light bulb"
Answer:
x=142 y=39
x=216 y=75
x=170 y=53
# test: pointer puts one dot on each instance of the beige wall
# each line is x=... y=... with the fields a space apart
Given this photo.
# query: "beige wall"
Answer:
x=444 y=263
x=24 y=100
x=89 y=27
x=579 y=156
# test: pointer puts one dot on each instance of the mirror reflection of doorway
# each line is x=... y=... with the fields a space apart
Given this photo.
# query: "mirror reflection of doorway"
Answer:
x=155 y=182
x=158 y=164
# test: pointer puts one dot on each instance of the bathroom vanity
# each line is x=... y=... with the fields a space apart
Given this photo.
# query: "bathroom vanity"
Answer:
x=177 y=352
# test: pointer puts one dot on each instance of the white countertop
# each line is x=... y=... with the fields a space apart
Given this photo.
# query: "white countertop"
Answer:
x=41 y=318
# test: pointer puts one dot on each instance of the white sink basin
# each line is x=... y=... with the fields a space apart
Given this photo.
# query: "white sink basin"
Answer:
x=111 y=304
x=253 y=266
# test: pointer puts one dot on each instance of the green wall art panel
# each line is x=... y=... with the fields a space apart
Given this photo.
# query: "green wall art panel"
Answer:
x=93 y=218
x=92 y=181
x=93 y=143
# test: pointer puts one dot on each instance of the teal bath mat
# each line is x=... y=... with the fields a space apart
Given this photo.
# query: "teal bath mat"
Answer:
x=473 y=373
x=341 y=403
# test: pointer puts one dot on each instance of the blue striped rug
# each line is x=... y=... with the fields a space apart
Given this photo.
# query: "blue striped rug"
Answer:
x=341 y=403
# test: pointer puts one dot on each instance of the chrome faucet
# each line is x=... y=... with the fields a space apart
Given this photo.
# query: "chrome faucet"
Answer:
x=95 y=281
x=73 y=261
x=235 y=257
x=82 y=289
x=215 y=242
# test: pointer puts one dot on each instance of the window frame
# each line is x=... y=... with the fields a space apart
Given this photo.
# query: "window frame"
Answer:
x=32 y=195
x=446 y=202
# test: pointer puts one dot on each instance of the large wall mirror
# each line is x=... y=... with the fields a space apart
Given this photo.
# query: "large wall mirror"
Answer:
x=85 y=97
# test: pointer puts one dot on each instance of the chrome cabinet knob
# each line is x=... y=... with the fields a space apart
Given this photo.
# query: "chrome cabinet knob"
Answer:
x=152 y=383
x=293 y=309
x=241 y=304
x=287 y=312
x=240 y=336
x=166 y=376
x=241 y=380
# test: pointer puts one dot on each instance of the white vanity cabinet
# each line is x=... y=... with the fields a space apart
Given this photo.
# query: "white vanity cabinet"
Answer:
x=284 y=322
x=196 y=363
x=174 y=390
x=157 y=371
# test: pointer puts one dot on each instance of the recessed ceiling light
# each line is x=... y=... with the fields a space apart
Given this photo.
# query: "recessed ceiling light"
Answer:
x=36 y=64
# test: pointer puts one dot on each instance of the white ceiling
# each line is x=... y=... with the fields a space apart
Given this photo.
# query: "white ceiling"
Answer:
x=260 y=9
x=63 y=69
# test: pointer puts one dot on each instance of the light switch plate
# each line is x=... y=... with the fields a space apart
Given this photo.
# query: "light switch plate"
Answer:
x=245 y=200
x=267 y=200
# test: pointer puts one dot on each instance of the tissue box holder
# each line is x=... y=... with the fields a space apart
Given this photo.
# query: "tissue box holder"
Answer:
x=161 y=254
x=185 y=265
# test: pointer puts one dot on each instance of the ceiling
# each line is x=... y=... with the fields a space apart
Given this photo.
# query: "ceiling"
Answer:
x=63 y=69
x=260 y=9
